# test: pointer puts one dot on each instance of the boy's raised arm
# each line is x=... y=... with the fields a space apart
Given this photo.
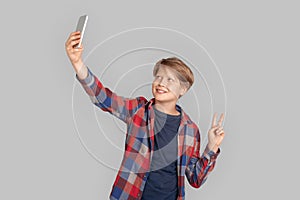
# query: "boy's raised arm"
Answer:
x=103 y=97
x=119 y=106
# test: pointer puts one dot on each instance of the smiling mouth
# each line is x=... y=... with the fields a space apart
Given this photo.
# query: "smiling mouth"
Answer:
x=160 y=91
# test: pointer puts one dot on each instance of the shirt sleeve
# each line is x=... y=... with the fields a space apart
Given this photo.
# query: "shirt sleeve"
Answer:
x=108 y=101
x=198 y=167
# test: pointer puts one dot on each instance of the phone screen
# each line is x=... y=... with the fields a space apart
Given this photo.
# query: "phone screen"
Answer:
x=81 y=27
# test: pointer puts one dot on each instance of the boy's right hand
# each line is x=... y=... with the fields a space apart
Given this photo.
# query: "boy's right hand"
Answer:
x=73 y=53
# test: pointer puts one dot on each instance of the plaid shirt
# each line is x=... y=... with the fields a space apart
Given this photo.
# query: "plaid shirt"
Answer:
x=139 y=115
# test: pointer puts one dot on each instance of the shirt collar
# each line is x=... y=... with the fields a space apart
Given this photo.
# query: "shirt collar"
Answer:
x=184 y=117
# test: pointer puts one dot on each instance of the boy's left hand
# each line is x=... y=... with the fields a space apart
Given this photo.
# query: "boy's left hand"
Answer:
x=216 y=133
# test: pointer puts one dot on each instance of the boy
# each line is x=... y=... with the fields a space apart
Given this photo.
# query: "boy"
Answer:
x=162 y=142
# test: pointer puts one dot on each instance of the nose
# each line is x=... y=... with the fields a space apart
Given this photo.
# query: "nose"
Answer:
x=162 y=82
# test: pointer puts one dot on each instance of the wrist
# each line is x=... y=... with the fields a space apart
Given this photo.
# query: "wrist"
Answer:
x=213 y=148
x=78 y=65
x=81 y=70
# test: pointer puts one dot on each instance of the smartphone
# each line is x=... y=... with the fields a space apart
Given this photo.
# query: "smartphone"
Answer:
x=82 y=21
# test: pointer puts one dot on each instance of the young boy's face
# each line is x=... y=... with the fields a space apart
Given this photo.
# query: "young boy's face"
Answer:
x=166 y=86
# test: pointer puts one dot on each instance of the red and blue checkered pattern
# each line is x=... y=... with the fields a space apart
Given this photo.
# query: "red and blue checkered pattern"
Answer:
x=139 y=116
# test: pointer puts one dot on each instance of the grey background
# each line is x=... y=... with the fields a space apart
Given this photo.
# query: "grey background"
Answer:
x=254 y=43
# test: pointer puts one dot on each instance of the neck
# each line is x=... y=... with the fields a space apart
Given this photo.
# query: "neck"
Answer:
x=167 y=107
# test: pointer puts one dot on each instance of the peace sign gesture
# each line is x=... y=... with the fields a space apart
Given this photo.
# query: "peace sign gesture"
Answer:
x=216 y=133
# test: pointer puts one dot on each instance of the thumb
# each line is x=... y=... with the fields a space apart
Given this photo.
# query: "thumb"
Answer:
x=79 y=49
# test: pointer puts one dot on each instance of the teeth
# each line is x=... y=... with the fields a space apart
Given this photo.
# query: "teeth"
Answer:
x=160 y=91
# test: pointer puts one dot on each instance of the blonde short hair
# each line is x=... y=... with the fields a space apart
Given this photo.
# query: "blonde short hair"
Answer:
x=186 y=74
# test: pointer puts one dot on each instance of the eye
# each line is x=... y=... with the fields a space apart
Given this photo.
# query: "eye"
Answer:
x=171 y=79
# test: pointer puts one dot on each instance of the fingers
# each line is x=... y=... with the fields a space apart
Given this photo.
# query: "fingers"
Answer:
x=216 y=135
x=214 y=120
x=74 y=43
x=73 y=39
x=214 y=123
x=221 y=119
x=77 y=49
x=219 y=130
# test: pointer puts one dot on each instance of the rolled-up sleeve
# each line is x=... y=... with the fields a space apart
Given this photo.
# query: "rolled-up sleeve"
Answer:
x=198 y=167
x=108 y=101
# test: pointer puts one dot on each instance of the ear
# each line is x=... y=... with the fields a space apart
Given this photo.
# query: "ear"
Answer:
x=183 y=90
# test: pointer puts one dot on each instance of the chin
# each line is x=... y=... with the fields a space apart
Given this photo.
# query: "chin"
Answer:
x=165 y=98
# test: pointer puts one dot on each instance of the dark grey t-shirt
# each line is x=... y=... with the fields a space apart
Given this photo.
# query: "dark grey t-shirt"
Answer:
x=162 y=179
